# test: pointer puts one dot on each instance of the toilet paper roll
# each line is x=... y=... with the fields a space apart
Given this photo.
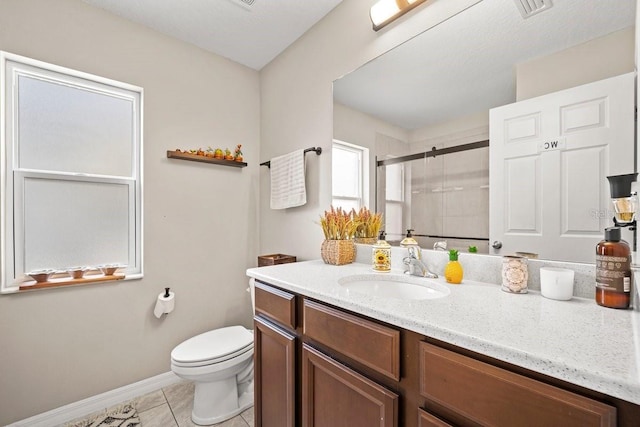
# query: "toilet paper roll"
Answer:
x=164 y=304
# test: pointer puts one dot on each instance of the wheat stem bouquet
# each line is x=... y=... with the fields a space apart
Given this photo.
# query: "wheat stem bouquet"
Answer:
x=337 y=224
x=368 y=223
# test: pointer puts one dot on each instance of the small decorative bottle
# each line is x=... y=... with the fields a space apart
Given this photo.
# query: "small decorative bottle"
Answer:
x=381 y=255
x=453 y=271
x=613 y=270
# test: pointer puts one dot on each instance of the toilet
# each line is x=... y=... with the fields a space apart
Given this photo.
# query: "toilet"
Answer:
x=220 y=363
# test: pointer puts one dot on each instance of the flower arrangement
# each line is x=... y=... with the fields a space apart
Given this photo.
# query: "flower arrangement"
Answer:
x=338 y=225
x=339 y=228
x=368 y=224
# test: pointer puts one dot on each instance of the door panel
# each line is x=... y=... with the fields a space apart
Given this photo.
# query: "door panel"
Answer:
x=581 y=170
x=583 y=116
x=522 y=208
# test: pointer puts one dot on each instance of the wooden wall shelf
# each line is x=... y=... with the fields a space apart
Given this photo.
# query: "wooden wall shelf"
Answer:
x=203 y=159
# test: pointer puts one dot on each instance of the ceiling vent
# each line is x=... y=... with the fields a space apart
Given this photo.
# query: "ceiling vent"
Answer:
x=529 y=8
x=247 y=4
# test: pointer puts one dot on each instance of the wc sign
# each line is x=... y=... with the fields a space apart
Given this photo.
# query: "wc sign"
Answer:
x=552 y=144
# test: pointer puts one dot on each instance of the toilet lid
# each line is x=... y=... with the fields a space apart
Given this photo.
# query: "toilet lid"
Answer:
x=213 y=345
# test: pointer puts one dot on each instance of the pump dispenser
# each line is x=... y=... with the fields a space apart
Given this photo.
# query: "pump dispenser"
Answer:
x=381 y=255
x=408 y=240
x=613 y=270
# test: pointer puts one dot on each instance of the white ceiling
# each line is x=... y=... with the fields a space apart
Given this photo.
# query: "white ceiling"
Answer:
x=251 y=35
x=467 y=64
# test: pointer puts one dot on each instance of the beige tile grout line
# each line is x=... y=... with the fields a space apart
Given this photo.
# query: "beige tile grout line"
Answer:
x=170 y=408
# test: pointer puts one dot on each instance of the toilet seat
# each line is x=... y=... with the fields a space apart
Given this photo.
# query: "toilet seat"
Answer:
x=213 y=347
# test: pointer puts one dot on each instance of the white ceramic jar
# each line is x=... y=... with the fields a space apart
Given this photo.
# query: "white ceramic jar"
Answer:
x=556 y=283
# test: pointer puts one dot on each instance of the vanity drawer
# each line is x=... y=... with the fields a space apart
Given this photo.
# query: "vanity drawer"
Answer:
x=374 y=345
x=491 y=396
x=275 y=304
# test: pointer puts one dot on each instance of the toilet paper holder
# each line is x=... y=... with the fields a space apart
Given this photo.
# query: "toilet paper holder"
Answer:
x=165 y=303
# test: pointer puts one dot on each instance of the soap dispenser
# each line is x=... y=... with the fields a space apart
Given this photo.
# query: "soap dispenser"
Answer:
x=408 y=240
x=381 y=255
x=613 y=270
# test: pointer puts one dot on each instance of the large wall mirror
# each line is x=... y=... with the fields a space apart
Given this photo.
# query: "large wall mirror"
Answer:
x=422 y=109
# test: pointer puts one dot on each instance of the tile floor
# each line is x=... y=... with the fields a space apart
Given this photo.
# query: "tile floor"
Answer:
x=171 y=407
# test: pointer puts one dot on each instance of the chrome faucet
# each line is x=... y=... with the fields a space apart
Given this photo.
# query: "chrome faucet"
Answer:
x=415 y=265
x=441 y=245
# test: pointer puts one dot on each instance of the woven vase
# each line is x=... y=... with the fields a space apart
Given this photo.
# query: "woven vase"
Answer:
x=366 y=240
x=338 y=252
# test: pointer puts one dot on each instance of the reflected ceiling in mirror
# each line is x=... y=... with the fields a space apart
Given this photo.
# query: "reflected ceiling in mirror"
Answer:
x=467 y=64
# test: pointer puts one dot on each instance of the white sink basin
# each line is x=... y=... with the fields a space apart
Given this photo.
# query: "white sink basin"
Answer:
x=394 y=286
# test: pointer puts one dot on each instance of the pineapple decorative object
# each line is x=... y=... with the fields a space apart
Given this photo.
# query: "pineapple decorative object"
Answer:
x=237 y=155
x=453 y=271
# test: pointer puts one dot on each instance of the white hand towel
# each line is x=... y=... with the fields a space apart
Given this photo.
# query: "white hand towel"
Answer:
x=287 y=181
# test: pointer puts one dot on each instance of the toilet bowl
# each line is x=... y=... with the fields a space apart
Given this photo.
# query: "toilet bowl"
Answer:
x=220 y=363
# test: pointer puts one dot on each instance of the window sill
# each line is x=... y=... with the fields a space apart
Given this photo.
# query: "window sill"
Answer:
x=55 y=283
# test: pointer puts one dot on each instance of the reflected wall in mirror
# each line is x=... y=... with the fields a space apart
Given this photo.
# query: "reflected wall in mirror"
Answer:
x=436 y=90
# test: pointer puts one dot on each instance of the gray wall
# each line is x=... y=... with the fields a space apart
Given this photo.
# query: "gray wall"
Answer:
x=59 y=346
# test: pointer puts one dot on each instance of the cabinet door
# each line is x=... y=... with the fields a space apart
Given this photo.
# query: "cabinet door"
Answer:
x=335 y=396
x=274 y=378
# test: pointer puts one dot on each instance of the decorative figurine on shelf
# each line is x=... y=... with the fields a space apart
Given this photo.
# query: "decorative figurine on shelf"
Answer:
x=217 y=154
x=227 y=154
x=238 y=153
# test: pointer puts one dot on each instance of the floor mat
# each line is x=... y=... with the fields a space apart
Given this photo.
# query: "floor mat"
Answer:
x=123 y=416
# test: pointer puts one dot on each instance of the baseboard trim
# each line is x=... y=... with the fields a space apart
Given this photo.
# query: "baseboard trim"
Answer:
x=98 y=402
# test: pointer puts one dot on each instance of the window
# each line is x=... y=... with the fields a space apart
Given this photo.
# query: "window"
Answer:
x=71 y=171
x=349 y=176
x=394 y=199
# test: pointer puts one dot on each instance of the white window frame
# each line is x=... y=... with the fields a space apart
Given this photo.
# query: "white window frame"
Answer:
x=363 y=174
x=399 y=203
x=12 y=248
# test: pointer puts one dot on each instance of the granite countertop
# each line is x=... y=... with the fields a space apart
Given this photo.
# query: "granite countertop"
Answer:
x=576 y=341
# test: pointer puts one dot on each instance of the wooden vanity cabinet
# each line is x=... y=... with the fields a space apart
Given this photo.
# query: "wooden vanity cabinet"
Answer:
x=275 y=352
x=321 y=366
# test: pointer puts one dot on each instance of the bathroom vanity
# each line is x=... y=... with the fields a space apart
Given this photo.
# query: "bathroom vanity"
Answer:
x=326 y=355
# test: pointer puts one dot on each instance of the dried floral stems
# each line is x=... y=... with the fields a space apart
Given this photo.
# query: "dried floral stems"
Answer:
x=338 y=224
x=368 y=224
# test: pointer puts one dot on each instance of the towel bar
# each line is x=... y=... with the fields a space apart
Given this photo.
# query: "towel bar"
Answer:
x=318 y=151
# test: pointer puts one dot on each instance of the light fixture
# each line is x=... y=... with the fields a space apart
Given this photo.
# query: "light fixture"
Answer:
x=386 y=11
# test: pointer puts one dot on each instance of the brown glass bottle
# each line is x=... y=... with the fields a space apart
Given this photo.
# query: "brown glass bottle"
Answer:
x=613 y=270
